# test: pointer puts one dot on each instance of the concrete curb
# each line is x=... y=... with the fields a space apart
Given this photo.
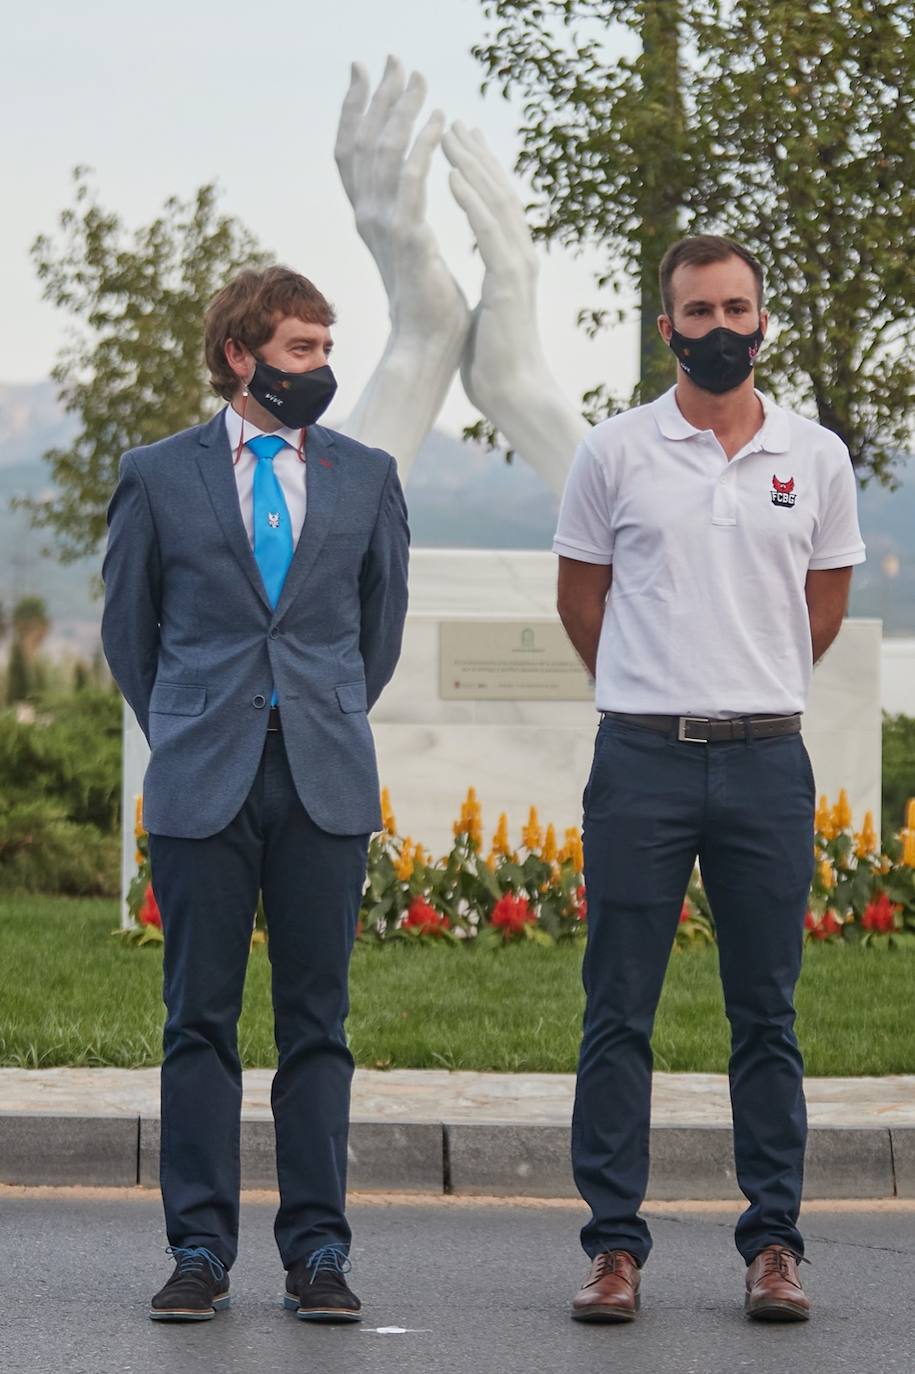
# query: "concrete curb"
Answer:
x=509 y=1159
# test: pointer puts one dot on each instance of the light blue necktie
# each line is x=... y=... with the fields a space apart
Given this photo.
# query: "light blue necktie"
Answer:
x=273 y=546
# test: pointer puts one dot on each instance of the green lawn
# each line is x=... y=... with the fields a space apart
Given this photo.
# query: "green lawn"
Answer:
x=71 y=993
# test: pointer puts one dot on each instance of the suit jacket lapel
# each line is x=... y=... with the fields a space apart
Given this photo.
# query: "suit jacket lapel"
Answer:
x=215 y=462
x=322 y=484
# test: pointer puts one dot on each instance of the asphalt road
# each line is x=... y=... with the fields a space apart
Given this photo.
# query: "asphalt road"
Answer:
x=481 y=1287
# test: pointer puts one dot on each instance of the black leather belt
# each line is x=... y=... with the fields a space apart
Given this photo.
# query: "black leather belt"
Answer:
x=273 y=721
x=700 y=730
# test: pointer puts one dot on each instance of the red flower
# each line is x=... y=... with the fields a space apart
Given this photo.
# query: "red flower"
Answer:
x=512 y=914
x=424 y=919
x=684 y=915
x=582 y=908
x=823 y=928
x=880 y=915
x=149 y=911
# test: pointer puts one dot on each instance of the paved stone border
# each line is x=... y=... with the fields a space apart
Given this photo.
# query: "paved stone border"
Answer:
x=507 y=1159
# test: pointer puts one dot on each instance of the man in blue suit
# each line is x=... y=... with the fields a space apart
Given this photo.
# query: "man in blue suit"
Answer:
x=255 y=596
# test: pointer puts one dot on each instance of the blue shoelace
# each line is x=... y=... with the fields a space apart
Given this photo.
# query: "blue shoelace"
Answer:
x=329 y=1259
x=190 y=1259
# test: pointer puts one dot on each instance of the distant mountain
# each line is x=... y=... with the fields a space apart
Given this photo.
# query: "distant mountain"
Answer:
x=459 y=495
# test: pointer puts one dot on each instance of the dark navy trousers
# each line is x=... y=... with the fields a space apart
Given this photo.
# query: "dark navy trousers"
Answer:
x=653 y=805
x=207 y=892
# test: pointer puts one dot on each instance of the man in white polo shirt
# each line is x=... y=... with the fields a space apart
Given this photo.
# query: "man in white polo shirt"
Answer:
x=705 y=549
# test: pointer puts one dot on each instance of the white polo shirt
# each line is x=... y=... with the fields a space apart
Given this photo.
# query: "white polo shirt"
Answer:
x=706 y=614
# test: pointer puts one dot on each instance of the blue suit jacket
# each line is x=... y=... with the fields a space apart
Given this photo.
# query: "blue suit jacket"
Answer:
x=195 y=646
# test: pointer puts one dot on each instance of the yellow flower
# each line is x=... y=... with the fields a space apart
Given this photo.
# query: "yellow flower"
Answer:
x=823 y=822
x=500 y=841
x=138 y=858
x=572 y=851
x=549 y=844
x=827 y=875
x=532 y=835
x=910 y=814
x=841 y=812
x=419 y=856
x=908 y=847
x=470 y=822
x=138 y=821
x=404 y=865
x=866 y=840
x=387 y=815
x=491 y=862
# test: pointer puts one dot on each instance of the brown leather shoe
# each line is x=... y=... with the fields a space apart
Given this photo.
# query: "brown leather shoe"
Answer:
x=610 y=1293
x=774 y=1291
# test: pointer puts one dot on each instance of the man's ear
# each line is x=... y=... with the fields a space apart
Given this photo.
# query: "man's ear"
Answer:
x=665 y=327
x=240 y=359
x=764 y=322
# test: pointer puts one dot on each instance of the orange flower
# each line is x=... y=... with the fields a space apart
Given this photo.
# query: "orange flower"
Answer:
x=908 y=847
x=549 y=844
x=500 y=841
x=532 y=835
x=827 y=874
x=572 y=851
x=866 y=840
x=404 y=865
x=387 y=815
x=823 y=822
x=138 y=830
x=841 y=812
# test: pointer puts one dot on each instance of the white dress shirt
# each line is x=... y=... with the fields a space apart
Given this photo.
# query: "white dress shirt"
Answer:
x=289 y=469
x=706 y=614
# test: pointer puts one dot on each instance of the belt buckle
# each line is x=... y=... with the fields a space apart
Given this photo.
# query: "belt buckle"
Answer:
x=683 y=723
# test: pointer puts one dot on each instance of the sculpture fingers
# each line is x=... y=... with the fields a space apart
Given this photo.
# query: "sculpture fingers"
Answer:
x=411 y=206
x=351 y=114
x=394 y=140
x=487 y=231
x=494 y=183
x=388 y=92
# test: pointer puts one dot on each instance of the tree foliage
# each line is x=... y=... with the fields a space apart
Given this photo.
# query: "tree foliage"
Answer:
x=794 y=132
x=132 y=369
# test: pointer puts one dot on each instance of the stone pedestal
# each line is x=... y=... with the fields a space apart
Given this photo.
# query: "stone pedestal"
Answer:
x=534 y=752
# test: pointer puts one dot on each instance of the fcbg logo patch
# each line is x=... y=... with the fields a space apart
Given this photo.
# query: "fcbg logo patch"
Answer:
x=783 y=493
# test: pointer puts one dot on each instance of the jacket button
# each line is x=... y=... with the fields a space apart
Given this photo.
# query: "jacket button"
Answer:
x=274 y=633
x=259 y=701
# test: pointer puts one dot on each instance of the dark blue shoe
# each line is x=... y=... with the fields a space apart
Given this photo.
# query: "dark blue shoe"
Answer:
x=316 y=1288
x=196 y=1291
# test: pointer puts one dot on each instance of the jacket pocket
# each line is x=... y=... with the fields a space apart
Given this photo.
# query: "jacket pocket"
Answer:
x=351 y=696
x=177 y=699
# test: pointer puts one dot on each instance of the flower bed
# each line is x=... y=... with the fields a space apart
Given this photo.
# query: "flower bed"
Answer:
x=536 y=892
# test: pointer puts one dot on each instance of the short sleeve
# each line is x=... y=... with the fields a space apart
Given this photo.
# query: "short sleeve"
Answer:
x=584 y=531
x=837 y=542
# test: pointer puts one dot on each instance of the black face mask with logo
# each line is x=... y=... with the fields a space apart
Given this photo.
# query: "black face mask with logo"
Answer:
x=296 y=399
x=720 y=359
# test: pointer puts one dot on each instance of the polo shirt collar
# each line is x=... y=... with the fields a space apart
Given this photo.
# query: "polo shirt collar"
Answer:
x=773 y=437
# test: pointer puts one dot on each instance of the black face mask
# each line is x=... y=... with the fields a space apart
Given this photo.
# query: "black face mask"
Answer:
x=720 y=359
x=296 y=399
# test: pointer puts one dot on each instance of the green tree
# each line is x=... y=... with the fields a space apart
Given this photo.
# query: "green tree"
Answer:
x=898 y=769
x=789 y=124
x=31 y=623
x=133 y=370
x=18 y=675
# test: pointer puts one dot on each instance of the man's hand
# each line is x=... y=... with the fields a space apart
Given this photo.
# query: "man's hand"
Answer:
x=385 y=180
x=504 y=371
x=827 y=591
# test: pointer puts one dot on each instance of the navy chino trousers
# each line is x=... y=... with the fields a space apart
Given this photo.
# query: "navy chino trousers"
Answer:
x=207 y=891
x=652 y=805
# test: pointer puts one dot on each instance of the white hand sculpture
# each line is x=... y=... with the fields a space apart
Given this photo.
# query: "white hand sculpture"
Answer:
x=386 y=185
x=504 y=371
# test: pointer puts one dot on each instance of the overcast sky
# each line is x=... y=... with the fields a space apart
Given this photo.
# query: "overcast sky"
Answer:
x=159 y=98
